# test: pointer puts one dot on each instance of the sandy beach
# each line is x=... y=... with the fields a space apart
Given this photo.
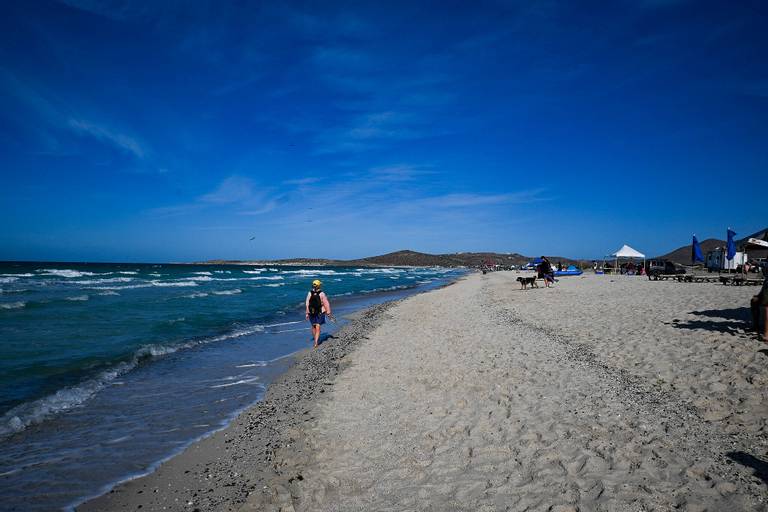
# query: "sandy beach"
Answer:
x=603 y=393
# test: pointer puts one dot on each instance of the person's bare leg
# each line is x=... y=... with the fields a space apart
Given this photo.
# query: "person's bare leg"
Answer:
x=764 y=331
x=754 y=306
x=316 y=329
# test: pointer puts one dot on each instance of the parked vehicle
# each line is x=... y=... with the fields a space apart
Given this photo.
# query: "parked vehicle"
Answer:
x=655 y=267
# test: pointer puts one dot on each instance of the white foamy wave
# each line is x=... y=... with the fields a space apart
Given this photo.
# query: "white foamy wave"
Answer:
x=18 y=275
x=195 y=295
x=265 y=278
x=65 y=272
x=222 y=272
x=253 y=271
x=8 y=279
x=202 y=273
x=236 y=383
x=158 y=284
x=199 y=278
x=155 y=274
x=273 y=270
x=257 y=364
x=318 y=272
x=128 y=272
x=274 y=285
x=228 y=292
x=12 y=305
x=285 y=323
x=105 y=281
x=108 y=292
x=78 y=298
x=31 y=413
x=387 y=289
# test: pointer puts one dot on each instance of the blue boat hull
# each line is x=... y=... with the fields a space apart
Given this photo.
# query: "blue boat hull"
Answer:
x=559 y=273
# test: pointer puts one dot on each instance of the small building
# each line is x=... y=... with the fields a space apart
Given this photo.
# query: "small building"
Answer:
x=717 y=260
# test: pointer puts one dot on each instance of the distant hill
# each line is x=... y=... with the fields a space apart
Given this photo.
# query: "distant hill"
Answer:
x=408 y=258
x=682 y=255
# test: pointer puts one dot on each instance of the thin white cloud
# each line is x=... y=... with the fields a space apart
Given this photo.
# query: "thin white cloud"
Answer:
x=301 y=181
x=234 y=189
x=105 y=134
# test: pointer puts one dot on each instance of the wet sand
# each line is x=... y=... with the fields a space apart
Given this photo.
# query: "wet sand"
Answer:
x=604 y=393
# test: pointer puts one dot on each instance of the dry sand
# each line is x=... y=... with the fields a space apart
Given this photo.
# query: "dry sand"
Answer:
x=600 y=394
x=604 y=393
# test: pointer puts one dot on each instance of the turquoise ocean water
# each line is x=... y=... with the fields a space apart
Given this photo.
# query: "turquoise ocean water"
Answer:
x=106 y=369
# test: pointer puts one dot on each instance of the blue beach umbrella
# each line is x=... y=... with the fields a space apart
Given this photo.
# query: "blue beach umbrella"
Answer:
x=731 y=247
x=696 y=254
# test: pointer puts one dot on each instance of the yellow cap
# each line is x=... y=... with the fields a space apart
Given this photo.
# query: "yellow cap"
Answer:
x=316 y=283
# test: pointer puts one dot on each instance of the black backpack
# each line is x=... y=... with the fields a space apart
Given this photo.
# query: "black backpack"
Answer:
x=315 y=303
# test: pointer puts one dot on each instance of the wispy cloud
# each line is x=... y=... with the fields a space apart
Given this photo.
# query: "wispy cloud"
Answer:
x=104 y=134
x=234 y=189
x=235 y=194
x=302 y=181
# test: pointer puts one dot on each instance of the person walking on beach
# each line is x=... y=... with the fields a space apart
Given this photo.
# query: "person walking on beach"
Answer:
x=546 y=271
x=317 y=307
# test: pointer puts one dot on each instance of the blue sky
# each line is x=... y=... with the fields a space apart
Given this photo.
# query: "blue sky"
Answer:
x=177 y=131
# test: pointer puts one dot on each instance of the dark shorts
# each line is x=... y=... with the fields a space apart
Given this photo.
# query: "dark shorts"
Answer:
x=317 y=319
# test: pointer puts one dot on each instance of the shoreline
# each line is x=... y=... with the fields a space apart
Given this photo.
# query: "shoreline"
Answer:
x=511 y=405
x=187 y=476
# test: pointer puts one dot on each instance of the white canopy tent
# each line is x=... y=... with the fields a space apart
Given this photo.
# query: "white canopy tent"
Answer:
x=626 y=252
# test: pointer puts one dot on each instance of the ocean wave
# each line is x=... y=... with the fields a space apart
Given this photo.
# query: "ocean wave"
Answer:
x=158 y=284
x=387 y=289
x=274 y=285
x=202 y=273
x=195 y=295
x=78 y=298
x=228 y=292
x=318 y=272
x=255 y=271
x=380 y=270
x=198 y=278
x=108 y=292
x=8 y=279
x=27 y=274
x=65 y=272
x=127 y=272
x=236 y=383
x=12 y=305
x=222 y=272
x=105 y=281
x=37 y=411
x=257 y=364
x=264 y=278
x=31 y=413
x=285 y=323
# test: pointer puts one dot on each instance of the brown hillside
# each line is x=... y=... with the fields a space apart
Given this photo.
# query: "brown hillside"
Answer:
x=682 y=255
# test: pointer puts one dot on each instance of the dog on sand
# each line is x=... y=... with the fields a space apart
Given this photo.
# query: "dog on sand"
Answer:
x=526 y=281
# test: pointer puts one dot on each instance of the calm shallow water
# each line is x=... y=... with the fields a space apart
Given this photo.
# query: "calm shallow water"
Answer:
x=105 y=370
